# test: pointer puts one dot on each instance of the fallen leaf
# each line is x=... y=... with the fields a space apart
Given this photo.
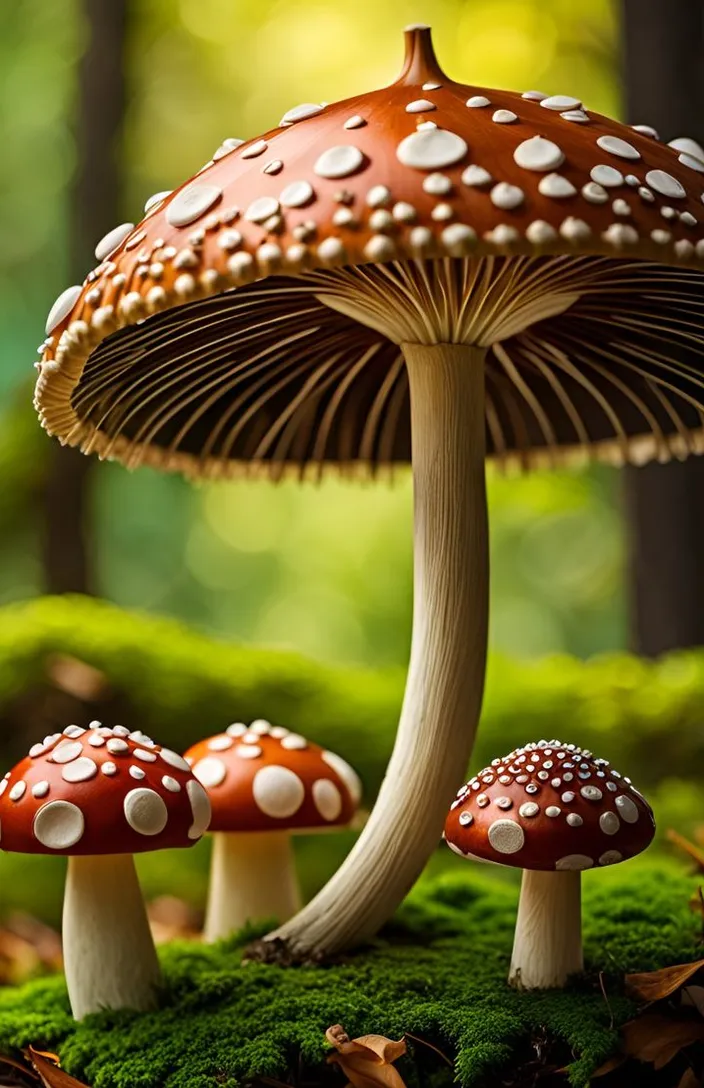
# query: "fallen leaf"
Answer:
x=366 y=1061
x=172 y=919
x=50 y=1073
x=689 y=1080
x=655 y=985
x=657 y=1039
x=609 y=1065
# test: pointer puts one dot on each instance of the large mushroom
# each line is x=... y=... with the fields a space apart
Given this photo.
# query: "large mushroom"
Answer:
x=265 y=784
x=552 y=810
x=429 y=273
x=98 y=796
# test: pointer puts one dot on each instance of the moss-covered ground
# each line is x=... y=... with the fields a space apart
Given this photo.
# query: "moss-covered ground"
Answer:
x=438 y=973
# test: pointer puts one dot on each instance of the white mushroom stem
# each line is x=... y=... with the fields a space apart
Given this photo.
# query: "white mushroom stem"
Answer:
x=446 y=676
x=547 y=947
x=109 y=955
x=252 y=878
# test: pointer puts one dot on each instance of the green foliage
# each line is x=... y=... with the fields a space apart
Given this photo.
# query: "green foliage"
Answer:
x=438 y=973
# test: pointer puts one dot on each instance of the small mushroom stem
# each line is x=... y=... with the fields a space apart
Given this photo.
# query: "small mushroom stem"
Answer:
x=109 y=954
x=446 y=674
x=252 y=877
x=547 y=947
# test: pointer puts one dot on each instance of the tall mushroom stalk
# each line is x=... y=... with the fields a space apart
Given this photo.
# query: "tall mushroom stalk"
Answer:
x=425 y=273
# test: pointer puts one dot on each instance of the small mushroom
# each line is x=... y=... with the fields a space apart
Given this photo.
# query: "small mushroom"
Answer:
x=98 y=796
x=552 y=810
x=265 y=783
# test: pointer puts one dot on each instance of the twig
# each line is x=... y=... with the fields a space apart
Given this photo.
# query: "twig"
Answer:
x=424 y=1042
x=602 y=987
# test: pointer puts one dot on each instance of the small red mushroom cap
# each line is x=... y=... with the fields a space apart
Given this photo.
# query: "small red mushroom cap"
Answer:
x=265 y=778
x=100 y=791
x=549 y=806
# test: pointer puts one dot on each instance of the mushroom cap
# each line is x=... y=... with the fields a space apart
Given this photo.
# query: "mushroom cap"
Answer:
x=100 y=791
x=265 y=778
x=155 y=359
x=549 y=806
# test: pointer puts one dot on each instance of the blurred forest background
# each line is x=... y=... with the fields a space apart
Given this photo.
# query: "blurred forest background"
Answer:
x=323 y=571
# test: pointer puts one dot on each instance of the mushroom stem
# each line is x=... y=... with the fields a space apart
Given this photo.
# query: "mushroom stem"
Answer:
x=547 y=947
x=252 y=877
x=446 y=675
x=109 y=955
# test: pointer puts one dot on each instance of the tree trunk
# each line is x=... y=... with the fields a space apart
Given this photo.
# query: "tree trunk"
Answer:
x=664 y=87
x=95 y=209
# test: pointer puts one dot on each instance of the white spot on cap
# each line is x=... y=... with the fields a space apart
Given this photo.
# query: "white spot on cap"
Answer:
x=575 y=230
x=112 y=240
x=67 y=751
x=108 y=768
x=504 y=117
x=174 y=759
x=18 y=791
x=539 y=233
x=138 y=773
x=346 y=773
x=145 y=812
x=117 y=746
x=210 y=771
x=420 y=105
x=610 y=857
x=534 y=96
x=297 y=194
x=477 y=102
x=171 y=784
x=402 y=211
x=621 y=207
x=577 y=116
x=647 y=130
x=73 y=731
x=591 y=793
x=327 y=798
x=278 y=791
x=553 y=811
x=538 y=154
x=157 y=198
x=338 y=162
x=237 y=729
x=256 y=149
x=62 y=307
x=191 y=203
x=294 y=742
x=144 y=755
x=220 y=744
x=506 y=196
x=59 y=825
x=80 y=770
x=606 y=175
x=40 y=789
x=609 y=823
x=560 y=103
x=475 y=176
x=299 y=113
x=200 y=808
x=554 y=185
x=262 y=208
x=529 y=809
x=458 y=239
x=665 y=184
x=688 y=147
x=465 y=819
x=506 y=836
x=261 y=727
x=354 y=122
x=247 y=751
x=378 y=196
x=96 y=741
x=615 y=146
x=627 y=809
x=431 y=149
x=37 y=750
x=230 y=143
x=574 y=819
x=574 y=862
x=437 y=184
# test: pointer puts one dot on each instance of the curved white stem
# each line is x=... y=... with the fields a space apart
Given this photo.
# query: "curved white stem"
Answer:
x=446 y=676
x=252 y=878
x=109 y=955
x=547 y=947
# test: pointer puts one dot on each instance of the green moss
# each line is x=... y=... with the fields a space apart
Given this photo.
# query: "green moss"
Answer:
x=439 y=973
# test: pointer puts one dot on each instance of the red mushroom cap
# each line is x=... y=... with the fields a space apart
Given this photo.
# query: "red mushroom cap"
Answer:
x=549 y=806
x=100 y=791
x=265 y=778
x=425 y=168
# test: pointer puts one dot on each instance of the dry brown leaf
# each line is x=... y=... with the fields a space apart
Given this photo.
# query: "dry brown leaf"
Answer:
x=609 y=1065
x=655 y=985
x=657 y=1039
x=366 y=1061
x=690 y=1080
x=50 y=1074
x=688 y=847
